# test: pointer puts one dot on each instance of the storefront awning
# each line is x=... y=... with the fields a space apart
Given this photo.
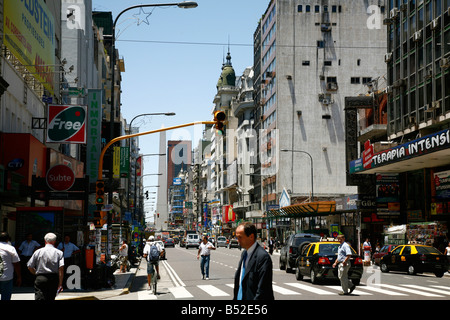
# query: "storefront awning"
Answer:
x=310 y=209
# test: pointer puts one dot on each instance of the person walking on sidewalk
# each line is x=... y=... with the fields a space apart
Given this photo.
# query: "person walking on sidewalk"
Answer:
x=152 y=253
x=343 y=263
x=9 y=263
x=47 y=264
x=123 y=256
x=204 y=251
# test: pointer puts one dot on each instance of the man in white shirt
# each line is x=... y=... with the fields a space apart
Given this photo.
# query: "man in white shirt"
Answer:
x=47 y=264
x=10 y=263
x=204 y=251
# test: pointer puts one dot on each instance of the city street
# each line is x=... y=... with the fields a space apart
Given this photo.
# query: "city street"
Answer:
x=181 y=280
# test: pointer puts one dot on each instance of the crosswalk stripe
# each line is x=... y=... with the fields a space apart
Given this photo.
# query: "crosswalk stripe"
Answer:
x=180 y=292
x=442 y=287
x=146 y=295
x=428 y=289
x=309 y=288
x=356 y=291
x=213 y=291
x=421 y=293
x=284 y=291
x=379 y=290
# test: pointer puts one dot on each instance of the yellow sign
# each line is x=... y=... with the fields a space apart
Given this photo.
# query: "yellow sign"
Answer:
x=29 y=33
x=116 y=163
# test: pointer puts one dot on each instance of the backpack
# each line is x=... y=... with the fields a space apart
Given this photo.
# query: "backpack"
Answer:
x=153 y=256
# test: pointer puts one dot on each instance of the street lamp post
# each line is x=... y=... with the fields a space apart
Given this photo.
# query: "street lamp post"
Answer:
x=184 y=5
x=129 y=147
x=312 y=170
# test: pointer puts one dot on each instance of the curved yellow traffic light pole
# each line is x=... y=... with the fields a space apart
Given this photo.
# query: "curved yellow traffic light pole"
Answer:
x=100 y=165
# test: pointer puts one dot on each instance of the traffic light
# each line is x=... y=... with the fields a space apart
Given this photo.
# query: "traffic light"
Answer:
x=97 y=219
x=219 y=118
x=100 y=192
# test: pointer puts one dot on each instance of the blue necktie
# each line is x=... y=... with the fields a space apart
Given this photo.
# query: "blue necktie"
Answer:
x=244 y=257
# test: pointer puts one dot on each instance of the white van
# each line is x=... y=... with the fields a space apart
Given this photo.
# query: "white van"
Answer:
x=192 y=240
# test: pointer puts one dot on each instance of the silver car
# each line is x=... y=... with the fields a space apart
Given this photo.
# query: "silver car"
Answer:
x=221 y=242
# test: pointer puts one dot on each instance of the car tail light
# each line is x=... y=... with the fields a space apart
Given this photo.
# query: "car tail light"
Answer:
x=323 y=261
x=358 y=261
x=290 y=250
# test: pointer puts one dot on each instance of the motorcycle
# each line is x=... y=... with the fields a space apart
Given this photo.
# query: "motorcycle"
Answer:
x=116 y=263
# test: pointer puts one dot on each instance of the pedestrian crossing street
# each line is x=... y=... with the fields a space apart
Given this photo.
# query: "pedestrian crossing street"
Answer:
x=298 y=290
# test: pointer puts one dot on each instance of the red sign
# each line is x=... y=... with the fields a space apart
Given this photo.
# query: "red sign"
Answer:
x=60 y=178
x=367 y=155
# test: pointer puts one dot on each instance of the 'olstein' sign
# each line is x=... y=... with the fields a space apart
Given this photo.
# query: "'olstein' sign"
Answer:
x=66 y=124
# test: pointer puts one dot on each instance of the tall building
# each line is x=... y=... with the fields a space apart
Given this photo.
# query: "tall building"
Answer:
x=410 y=156
x=313 y=55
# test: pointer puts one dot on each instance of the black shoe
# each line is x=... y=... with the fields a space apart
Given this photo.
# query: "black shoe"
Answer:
x=351 y=289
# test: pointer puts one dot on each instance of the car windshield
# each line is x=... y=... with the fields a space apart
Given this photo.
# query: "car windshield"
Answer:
x=331 y=249
x=300 y=240
x=427 y=250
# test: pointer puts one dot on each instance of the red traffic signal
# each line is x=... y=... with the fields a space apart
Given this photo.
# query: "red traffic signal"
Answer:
x=219 y=118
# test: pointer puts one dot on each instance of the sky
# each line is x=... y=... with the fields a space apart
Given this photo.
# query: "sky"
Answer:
x=173 y=59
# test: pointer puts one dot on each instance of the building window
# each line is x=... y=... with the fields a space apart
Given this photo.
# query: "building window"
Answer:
x=308 y=8
x=316 y=9
x=299 y=8
x=305 y=63
x=327 y=63
x=366 y=80
x=320 y=44
x=355 y=80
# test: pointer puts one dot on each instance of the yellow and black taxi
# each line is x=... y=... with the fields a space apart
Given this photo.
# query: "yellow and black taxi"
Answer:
x=316 y=261
x=415 y=258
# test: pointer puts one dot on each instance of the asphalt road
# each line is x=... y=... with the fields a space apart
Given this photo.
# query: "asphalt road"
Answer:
x=181 y=280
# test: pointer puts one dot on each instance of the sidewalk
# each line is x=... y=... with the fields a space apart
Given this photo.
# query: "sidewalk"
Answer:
x=122 y=286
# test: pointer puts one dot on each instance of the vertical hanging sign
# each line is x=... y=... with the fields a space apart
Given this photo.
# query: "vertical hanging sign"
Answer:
x=94 y=133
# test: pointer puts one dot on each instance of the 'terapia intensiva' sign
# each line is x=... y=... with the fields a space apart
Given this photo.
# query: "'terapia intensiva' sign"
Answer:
x=433 y=142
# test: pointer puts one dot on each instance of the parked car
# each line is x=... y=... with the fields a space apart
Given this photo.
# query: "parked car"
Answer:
x=192 y=240
x=290 y=250
x=221 y=241
x=316 y=261
x=169 y=243
x=163 y=256
x=376 y=257
x=415 y=258
x=233 y=243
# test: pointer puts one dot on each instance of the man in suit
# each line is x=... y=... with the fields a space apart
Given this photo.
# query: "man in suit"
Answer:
x=253 y=279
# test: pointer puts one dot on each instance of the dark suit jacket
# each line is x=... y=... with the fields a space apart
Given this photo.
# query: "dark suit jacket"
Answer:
x=257 y=281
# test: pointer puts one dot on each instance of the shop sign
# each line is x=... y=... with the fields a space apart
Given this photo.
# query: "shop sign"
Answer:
x=60 y=178
x=67 y=124
x=431 y=143
x=29 y=33
x=442 y=184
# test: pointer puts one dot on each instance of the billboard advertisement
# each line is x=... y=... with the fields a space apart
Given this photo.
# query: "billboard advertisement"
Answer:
x=29 y=33
x=66 y=124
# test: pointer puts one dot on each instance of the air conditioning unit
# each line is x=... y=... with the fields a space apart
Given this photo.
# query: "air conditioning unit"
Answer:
x=435 y=24
x=388 y=57
x=445 y=63
x=417 y=35
x=387 y=21
x=393 y=14
x=326 y=101
x=436 y=104
x=332 y=86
